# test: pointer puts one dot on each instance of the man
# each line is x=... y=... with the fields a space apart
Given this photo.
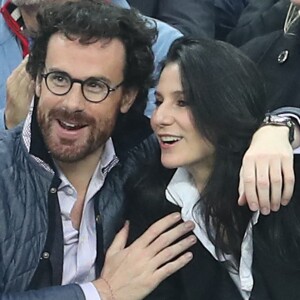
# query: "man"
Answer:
x=89 y=60
x=227 y=13
x=277 y=57
x=259 y=18
x=17 y=27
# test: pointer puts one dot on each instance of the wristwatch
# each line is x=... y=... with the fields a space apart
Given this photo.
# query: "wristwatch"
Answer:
x=281 y=121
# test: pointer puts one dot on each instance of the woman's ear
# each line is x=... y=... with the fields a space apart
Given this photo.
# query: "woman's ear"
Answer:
x=128 y=99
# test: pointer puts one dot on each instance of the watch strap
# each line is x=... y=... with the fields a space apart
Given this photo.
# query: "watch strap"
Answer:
x=281 y=121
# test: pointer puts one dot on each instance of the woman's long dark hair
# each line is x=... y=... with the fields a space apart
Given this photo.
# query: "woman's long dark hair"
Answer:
x=226 y=96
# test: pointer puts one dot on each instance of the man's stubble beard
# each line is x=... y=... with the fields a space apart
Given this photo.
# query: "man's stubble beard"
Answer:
x=68 y=151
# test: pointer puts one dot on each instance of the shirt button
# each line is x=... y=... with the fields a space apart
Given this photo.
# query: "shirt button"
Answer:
x=53 y=190
x=69 y=191
x=45 y=255
x=283 y=56
x=98 y=219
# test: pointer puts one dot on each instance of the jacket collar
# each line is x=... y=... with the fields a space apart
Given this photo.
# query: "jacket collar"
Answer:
x=131 y=129
x=33 y=139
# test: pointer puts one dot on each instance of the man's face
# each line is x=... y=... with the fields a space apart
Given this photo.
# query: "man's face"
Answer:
x=72 y=127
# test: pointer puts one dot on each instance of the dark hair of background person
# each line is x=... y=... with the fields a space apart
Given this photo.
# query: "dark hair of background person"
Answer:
x=94 y=19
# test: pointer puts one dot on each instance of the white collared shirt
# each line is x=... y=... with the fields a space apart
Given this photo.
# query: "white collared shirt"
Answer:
x=80 y=246
x=182 y=191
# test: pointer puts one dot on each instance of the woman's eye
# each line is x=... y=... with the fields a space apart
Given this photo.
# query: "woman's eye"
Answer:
x=157 y=102
x=182 y=103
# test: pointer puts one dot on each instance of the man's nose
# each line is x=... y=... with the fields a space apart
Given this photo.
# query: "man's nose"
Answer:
x=74 y=99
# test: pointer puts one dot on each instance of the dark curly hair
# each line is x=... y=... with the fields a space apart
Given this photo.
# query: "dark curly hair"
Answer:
x=93 y=20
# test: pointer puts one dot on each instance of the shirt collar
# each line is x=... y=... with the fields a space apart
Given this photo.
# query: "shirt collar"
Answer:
x=182 y=191
x=106 y=163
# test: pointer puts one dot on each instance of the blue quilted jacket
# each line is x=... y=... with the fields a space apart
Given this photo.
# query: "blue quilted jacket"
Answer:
x=26 y=187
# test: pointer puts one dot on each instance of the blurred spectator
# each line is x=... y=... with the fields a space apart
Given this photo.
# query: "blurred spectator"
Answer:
x=227 y=13
x=278 y=57
x=192 y=17
x=13 y=44
x=258 y=18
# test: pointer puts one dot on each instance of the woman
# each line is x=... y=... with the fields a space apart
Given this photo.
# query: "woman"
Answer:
x=210 y=101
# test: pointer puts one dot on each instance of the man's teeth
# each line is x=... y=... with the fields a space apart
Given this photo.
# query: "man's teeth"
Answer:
x=70 y=126
x=170 y=139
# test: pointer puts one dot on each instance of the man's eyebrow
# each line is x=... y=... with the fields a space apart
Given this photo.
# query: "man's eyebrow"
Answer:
x=102 y=78
x=53 y=69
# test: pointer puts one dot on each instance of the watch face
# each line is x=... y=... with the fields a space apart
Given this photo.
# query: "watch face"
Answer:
x=278 y=119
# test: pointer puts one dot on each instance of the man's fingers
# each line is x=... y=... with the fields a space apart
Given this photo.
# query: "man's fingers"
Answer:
x=248 y=176
x=167 y=254
x=263 y=186
x=172 y=267
x=156 y=229
x=170 y=236
x=19 y=70
x=242 y=199
x=276 y=184
x=31 y=86
x=288 y=180
x=120 y=240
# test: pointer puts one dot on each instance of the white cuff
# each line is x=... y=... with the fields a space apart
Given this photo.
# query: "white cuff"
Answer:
x=296 y=118
x=90 y=291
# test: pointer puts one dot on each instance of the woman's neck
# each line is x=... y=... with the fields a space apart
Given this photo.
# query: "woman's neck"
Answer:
x=201 y=173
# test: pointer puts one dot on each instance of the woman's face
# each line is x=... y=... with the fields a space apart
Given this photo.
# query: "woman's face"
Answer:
x=181 y=143
x=296 y=2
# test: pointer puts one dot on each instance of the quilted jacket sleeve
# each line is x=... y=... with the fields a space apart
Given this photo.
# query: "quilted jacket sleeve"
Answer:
x=71 y=291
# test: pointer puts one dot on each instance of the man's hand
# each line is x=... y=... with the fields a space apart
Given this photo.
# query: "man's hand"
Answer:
x=267 y=175
x=19 y=92
x=132 y=273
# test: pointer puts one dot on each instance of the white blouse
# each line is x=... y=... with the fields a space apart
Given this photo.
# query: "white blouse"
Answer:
x=182 y=191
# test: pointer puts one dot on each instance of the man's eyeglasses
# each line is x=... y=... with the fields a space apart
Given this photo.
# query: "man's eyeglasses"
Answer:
x=93 y=89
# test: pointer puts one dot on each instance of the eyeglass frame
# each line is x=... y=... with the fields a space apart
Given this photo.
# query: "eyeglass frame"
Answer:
x=81 y=82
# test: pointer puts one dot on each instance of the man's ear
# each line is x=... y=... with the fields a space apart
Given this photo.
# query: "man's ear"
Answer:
x=38 y=83
x=128 y=99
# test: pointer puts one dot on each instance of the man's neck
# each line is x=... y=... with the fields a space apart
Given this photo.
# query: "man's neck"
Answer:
x=80 y=173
